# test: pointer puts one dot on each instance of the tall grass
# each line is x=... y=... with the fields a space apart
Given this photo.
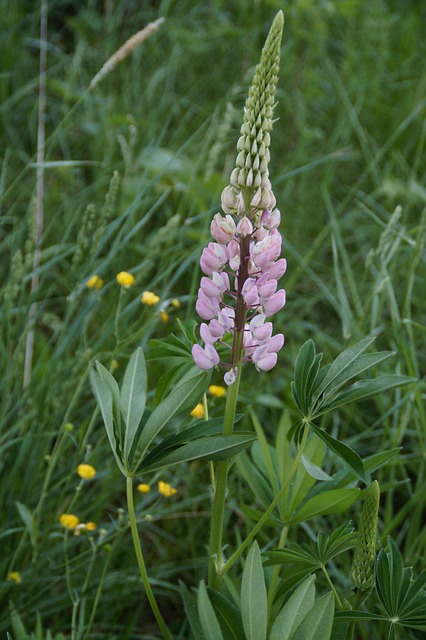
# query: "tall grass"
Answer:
x=133 y=170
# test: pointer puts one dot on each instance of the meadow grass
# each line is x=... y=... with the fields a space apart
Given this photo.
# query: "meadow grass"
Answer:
x=133 y=170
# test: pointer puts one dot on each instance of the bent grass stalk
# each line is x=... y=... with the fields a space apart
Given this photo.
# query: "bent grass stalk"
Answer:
x=141 y=561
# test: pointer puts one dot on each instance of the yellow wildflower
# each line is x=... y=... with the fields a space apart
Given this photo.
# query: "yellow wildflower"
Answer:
x=113 y=366
x=86 y=471
x=90 y=526
x=217 y=390
x=14 y=576
x=144 y=488
x=149 y=298
x=175 y=303
x=166 y=490
x=95 y=282
x=198 y=411
x=69 y=521
x=164 y=316
x=125 y=279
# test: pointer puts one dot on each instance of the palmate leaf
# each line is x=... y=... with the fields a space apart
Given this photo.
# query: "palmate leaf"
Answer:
x=326 y=503
x=402 y=597
x=318 y=553
x=318 y=623
x=184 y=395
x=304 y=362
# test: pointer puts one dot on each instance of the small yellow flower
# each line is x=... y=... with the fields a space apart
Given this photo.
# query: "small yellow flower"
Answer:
x=175 y=303
x=91 y=526
x=95 y=282
x=86 y=471
x=144 y=488
x=164 y=316
x=113 y=366
x=217 y=390
x=69 y=521
x=198 y=411
x=166 y=490
x=149 y=298
x=14 y=576
x=125 y=279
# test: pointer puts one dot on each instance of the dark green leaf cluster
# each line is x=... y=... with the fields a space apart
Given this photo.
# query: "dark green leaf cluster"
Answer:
x=216 y=617
x=132 y=428
x=320 y=390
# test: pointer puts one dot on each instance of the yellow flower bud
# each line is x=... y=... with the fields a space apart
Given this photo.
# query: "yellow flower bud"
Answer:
x=175 y=303
x=91 y=526
x=217 y=390
x=86 y=471
x=143 y=488
x=166 y=490
x=149 y=298
x=164 y=316
x=95 y=282
x=69 y=521
x=14 y=576
x=198 y=411
x=125 y=279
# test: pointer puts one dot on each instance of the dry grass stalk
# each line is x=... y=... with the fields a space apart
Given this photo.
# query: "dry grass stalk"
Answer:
x=124 y=51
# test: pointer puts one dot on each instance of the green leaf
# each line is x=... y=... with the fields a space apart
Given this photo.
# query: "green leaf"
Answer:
x=318 y=623
x=304 y=362
x=342 y=450
x=184 y=395
x=294 y=611
x=254 y=602
x=191 y=612
x=103 y=395
x=228 y=615
x=208 y=619
x=303 y=482
x=133 y=398
x=111 y=383
x=210 y=448
x=27 y=518
x=342 y=363
x=361 y=364
x=314 y=471
x=328 y=502
x=356 y=616
x=364 y=389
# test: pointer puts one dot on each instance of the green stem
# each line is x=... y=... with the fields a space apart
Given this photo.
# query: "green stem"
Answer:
x=332 y=587
x=221 y=479
x=141 y=562
x=360 y=597
x=271 y=507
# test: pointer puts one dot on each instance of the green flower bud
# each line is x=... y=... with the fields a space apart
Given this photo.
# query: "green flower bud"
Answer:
x=251 y=170
x=363 y=562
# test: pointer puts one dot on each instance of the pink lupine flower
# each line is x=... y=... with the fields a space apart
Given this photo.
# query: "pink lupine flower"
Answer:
x=207 y=308
x=205 y=358
x=222 y=228
x=213 y=258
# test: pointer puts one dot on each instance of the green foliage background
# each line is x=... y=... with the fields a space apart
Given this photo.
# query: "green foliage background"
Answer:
x=150 y=148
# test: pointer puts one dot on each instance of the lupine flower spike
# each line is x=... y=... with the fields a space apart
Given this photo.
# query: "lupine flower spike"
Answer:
x=239 y=292
x=365 y=552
